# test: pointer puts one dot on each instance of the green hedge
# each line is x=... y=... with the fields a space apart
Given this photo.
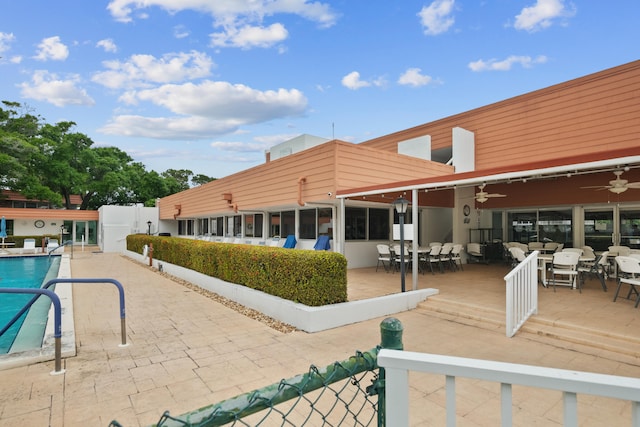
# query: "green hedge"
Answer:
x=313 y=278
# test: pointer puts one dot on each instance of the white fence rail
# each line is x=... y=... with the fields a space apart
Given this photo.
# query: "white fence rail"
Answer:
x=398 y=364
x=522 y=293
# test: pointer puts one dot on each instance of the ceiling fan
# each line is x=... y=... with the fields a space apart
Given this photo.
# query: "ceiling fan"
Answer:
x=482 y=196
x=617 y=185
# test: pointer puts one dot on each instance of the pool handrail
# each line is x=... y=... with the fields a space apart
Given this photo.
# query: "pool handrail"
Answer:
x=57 y=319
x=123 y=326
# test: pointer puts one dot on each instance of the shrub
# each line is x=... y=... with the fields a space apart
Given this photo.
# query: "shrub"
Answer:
x=313 y=278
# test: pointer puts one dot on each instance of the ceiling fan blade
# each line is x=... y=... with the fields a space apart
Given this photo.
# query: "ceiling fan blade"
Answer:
x=634 y=185
x=496 y=195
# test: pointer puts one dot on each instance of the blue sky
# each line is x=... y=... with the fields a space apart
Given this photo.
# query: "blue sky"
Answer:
x=210 y=85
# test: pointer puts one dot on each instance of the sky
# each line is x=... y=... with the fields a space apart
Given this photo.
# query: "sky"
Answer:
x=210 y=85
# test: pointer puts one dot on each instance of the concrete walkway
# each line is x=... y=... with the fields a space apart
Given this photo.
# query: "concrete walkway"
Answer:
x=187 y=351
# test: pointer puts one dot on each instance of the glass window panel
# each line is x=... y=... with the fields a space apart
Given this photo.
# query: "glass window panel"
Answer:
x=598 y=229
x=378 y=224
x=522 y=226
x=555 y=226
x=325 y=222
x=630 y=228
x=274 y=224
x=355 y=223
x=308 y=224
x=248 y=225
x=257 y=225
x=288 y=223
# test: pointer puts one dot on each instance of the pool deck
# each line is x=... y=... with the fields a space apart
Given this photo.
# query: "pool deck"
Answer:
x=187 y=351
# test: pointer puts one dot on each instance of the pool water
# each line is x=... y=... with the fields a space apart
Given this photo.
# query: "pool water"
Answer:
x=24 y=272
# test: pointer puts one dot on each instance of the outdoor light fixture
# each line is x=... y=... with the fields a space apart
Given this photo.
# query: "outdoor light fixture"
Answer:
x=149 y=228
x=401 y=204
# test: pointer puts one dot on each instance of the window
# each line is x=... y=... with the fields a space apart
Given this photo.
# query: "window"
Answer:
x=287 y=223
x=274 y=224
x=185 y=227
x=217 y=226
x=253 y=225
x=203 y=226
x=325 y=222
x=308 y=224
x=355 y=225
x=555 y=226
x=378 y=224
x=360 y=221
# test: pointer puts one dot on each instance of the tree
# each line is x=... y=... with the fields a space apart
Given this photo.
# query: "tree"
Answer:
x=201 y=179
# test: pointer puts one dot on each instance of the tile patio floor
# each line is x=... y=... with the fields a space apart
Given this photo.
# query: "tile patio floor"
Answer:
x=188 y=351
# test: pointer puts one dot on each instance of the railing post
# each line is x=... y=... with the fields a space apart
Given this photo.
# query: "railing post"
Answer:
x=390 y=337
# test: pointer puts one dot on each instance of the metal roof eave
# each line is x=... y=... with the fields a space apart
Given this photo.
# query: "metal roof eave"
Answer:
x=450 y=181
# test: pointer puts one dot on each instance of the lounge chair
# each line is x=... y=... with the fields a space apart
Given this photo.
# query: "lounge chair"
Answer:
x=28 y=246
x=322 y=244
x=291 y=242
x=52 y=245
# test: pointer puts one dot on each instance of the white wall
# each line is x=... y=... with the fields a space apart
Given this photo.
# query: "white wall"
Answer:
x=116 y=222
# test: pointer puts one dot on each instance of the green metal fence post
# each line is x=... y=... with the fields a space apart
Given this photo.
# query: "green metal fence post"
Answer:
x=390 y=337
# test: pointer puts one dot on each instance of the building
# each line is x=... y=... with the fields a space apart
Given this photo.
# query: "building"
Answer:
x=559 y=163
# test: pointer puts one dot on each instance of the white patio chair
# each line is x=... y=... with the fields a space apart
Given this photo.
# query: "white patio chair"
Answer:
x=565 y=265
x=434 y=258
x=384 y=257
x=456 y=256
x=629 y=274
x=517 y=254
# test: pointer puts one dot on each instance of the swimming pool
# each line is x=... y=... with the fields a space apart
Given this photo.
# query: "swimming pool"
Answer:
x=25 y=272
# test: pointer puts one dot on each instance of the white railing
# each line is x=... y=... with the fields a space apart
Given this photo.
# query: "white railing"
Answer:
x=397 y=365
x=522 y=293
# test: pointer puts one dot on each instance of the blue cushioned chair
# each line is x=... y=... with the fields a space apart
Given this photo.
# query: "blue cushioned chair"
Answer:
x=322 y=244
x=291 y=242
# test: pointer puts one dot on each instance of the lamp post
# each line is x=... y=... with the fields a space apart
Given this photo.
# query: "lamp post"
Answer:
x=149 y=228
x=401 y=204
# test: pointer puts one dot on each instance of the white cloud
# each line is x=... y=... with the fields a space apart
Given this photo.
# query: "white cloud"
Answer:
x=142 y=70
x=413 y=77
x=108 y=45
x=352 y=81
x=436 y=18
x=52 y=48
x=541 y=15
x=250 y=36
x=48 y=87
x=242 y=147
x=240 y=21
x=180 y=32
x=177 y=128
x=205 y=110
x=5 y=41
x=506 y=64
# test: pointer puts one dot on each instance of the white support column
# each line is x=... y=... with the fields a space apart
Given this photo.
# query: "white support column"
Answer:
x=414 y=246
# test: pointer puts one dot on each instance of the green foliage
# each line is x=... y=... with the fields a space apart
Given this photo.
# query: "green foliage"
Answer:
x=312 y=278
x=52 y=162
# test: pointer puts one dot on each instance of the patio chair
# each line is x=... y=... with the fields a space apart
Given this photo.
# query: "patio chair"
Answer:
x=52 y=245
x=29 y=245
x=628 y=274
x=291 y=242
x=445 y=256
x=517 y=254
x=474 y=250
x=595 y=268
x=322 y=244
x=549 y=247
x=619 y=250
x=456 y=256
x=384 y=256
x=396 y=256
x=275 y=241
x=565 y=266
x=535 y=246
x=433 y=257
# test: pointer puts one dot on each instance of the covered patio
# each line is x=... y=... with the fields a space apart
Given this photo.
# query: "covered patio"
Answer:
x=477 y=296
